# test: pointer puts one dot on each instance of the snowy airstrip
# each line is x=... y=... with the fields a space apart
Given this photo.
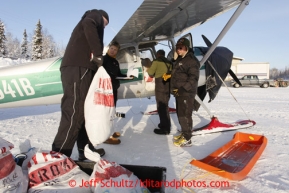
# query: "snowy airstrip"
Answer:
x=269 y=108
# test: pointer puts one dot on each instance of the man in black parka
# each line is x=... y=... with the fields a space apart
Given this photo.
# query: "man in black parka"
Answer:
x=184 y=84
x=82 y=57
x=111 y=65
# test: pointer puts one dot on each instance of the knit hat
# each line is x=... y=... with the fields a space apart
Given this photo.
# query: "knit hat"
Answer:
x=104 y=14
x=183 y=42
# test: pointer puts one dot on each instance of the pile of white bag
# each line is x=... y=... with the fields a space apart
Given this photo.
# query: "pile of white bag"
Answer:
x=52 y=172
x=11 y=176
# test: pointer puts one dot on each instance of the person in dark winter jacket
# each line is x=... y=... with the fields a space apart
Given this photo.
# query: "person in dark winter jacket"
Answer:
x=159 y=67
x=82 y=57
x=184 y=84
x=111 y=66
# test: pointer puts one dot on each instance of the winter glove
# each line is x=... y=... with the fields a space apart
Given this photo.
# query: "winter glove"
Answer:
x=97 y=60
x=175 y=92
x=166 y=76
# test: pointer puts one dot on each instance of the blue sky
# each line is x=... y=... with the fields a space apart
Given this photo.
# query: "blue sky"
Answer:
x=260 y=34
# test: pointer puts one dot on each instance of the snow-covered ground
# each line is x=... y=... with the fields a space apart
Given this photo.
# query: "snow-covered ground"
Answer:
x=140 y=146
x=9 y=62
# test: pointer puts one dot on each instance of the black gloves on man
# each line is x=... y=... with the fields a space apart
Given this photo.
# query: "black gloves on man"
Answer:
x=97 y=60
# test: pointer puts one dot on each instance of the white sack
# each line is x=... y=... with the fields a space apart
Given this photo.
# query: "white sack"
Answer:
x=110 y=177
x=99 y=109
x=11 y=176
x=53 y=172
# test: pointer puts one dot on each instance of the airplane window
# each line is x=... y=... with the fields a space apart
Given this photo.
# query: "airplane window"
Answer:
x=146 y=54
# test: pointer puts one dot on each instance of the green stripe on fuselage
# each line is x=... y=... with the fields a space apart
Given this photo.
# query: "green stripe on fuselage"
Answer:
x=41 y=84
x=34 y=85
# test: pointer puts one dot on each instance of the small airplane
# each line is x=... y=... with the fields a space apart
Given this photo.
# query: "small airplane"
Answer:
x=154 y=22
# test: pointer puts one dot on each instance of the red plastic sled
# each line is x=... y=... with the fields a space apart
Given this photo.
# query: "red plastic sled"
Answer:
x=235 y=159
x=216 y=126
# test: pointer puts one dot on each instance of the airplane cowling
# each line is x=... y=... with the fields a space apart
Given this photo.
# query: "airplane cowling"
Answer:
x=221 y=60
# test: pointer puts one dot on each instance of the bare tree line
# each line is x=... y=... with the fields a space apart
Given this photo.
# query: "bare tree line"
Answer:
x=277 y=73
x=40 y=45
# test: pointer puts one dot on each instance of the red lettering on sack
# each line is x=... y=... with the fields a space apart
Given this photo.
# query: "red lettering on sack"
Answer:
x=34 y=159
x=7 y=164
x=50 y=171
x=45 y=156
x=101 y=97
x=54 y=169
x=109 y=170
x=49 y=155
x=42 y=173
x=105 y=84
x=3 y=150
x=100 y=83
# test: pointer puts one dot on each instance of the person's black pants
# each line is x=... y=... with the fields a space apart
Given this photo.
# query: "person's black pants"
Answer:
x=162 y=94
x=184 y=109
x=75 y=82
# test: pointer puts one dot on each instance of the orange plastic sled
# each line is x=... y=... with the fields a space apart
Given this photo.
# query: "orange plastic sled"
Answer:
x=235 y=159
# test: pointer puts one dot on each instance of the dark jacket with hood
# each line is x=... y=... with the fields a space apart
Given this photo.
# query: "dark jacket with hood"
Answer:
x=86 y=38
x=111 y=66
x=185 y=75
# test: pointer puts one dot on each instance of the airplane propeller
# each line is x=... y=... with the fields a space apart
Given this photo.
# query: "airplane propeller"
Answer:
x=207 y=41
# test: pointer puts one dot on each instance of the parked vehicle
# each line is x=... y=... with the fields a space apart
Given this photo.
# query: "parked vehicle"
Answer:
x=279 y=82
x=253 y=80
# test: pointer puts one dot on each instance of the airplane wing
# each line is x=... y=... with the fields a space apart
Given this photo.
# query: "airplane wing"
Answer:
x=156 y=20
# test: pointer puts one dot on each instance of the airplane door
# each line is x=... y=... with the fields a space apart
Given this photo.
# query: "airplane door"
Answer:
x=147 y=56
x=130 y=88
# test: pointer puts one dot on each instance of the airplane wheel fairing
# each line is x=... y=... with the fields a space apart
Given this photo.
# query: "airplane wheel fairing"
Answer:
x=265 y=85
x=236 y=85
